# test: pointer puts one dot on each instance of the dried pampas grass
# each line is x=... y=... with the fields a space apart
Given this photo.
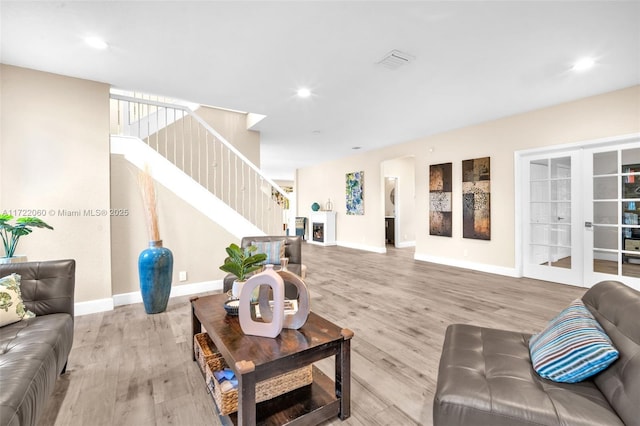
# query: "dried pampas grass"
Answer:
x=148 y=191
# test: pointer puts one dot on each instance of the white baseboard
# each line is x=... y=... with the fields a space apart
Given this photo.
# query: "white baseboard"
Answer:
x=92 y=306
x=101 y=305
x=406 y=244
x=362 y=247
x=202 y=287
x=482 y=267
x=127 y=298
x=178 y=290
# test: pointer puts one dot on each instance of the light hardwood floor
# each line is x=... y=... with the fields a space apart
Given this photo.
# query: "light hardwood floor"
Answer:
x=629 y=269
x=129 y=368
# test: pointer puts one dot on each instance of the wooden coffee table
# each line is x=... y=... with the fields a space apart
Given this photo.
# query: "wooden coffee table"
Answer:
x=255 y=359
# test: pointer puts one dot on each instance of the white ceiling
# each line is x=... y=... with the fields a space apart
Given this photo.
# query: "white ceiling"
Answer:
x=474 y=61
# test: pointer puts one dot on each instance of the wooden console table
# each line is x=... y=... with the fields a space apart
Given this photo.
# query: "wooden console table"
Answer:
x=255 y=359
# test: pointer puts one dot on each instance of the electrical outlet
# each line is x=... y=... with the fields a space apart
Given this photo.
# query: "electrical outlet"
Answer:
x=182 y=275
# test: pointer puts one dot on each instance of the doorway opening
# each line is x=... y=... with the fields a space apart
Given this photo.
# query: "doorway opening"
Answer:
x=398 y=202
x=390 y=186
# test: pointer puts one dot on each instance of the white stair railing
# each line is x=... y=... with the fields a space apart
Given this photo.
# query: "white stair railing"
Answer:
x=187 y=141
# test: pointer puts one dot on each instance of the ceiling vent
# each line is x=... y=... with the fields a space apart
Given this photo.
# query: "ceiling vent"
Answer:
x=395 y=59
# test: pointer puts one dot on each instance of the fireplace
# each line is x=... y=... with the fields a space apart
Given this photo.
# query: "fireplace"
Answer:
x=322 y=228
x=318 y=232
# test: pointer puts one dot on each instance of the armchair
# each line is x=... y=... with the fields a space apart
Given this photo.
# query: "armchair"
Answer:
x=292 y=250
x=486 y=375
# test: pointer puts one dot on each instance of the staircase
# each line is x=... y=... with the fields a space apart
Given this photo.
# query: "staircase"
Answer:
x=199 y=165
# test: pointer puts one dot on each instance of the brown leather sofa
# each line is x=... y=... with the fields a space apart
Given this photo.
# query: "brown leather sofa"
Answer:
x=486 y=377
x=33 y=352
x=292 y=250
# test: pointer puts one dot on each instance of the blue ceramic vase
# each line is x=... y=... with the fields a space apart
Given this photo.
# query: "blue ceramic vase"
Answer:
x=155 y=267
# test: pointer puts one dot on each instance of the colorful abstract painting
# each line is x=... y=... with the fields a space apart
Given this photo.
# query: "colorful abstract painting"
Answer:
x=476 y=199
x=440 y=187
x=355 y=193
x=279 y=198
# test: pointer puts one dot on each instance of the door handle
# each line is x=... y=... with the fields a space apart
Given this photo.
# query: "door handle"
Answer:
x=588 y=225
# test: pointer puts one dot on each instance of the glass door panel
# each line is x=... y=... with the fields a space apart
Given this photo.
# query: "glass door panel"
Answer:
x=605 y=163
x=605 y=212
x=605 y=187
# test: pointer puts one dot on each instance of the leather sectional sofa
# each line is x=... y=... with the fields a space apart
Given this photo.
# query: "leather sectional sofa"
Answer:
x=292 y=250
x=34 y=351
x=486 y=376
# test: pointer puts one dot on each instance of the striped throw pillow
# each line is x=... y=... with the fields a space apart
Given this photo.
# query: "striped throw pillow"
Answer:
x=572 y=347
x=273 y=249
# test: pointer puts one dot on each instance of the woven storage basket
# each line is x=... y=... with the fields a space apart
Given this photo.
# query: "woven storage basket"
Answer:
x=205 y=351
x=227 y=402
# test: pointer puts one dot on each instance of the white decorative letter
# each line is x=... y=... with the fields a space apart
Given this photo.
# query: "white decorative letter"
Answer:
x=265 y=329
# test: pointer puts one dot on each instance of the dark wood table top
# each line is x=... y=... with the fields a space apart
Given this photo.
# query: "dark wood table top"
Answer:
x=236 y=346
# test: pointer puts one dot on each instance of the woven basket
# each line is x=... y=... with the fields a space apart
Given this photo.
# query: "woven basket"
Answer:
x=206 y=352
x=227 y=402
x=283 y=383
x=210 y=360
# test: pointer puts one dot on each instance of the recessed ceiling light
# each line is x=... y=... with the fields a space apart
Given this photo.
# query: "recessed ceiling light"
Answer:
x=96 y=42
x=584 y=64
x=303 y=92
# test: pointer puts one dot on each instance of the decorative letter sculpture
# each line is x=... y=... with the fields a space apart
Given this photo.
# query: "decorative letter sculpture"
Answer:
x=266 y=329
x=274 y=318
x=290 y=321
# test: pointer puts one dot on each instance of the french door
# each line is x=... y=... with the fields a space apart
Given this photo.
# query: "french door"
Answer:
x=552 y=246
x=580 y=214
x=612 y=233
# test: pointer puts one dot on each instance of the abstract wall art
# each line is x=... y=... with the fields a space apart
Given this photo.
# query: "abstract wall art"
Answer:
x=440 y=199
x=279 y=198
x=355 y=193
x=476 y=199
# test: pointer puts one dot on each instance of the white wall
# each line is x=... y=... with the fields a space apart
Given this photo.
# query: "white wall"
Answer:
x=609 y=114
x=233 y=127
x=55 y=158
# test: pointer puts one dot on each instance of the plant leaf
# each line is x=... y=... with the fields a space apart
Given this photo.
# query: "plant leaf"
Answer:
x=33 y=222
x=241 y=262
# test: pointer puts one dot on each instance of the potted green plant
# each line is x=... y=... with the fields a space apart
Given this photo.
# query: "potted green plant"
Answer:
x=241 y=263
x=11 y=234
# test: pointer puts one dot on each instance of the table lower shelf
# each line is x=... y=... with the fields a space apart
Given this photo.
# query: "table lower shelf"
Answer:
x=307 y=405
